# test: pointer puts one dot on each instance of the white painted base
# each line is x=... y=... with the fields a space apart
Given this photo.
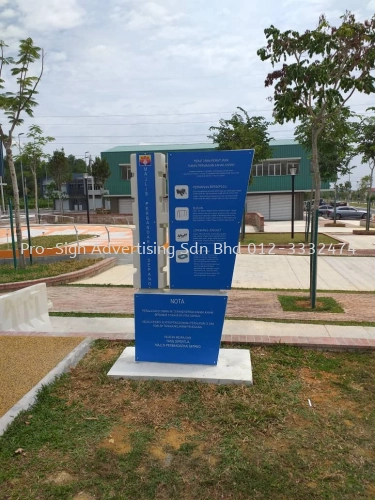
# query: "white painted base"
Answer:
x=233 y=367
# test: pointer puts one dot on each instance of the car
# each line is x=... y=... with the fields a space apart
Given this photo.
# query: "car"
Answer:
x=323 y=209
x=347 y=213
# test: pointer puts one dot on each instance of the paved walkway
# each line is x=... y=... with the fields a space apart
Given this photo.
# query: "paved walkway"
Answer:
x=277 y=271
x=118 y=235
x=235 y=331
x=241 y=304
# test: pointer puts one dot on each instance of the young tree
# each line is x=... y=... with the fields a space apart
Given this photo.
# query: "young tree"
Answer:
x=101 y=171
x=33 y=155
x=336 y=146
x=14 y=103
x=320 y=71
x=77 y=165
x=60 y=171
x=244 y=132
x=366 y=148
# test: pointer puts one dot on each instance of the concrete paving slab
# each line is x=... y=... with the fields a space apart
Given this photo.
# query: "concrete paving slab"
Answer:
x=118 y=275
x=360 y=272
x=63 y=324
x=125 y=326
x=277 y=271
x=371 y=331
x=243 y=328
x=264 y=271
x=359 y=242
x=233 y=367
x=353 y=332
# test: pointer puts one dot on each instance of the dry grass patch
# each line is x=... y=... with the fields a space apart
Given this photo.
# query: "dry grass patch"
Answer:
x=177 y=440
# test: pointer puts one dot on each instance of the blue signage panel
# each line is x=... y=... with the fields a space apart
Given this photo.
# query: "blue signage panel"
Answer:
x=147 y=220
x=207 y=192
x=171 y=328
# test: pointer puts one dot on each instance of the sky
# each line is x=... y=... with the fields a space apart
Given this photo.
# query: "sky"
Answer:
x=120 y=72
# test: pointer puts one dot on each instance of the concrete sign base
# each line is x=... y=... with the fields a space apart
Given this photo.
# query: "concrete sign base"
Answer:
x=233 y=367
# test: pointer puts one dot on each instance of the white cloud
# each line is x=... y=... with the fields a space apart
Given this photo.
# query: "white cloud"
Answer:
x=144 y=15
x=57 y=56
x=47 y=15
x=8 y=13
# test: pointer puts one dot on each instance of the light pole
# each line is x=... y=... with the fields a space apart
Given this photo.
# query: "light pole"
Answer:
x=86 y=153
x=23 y=183
x=293 y=171
x=85 y=177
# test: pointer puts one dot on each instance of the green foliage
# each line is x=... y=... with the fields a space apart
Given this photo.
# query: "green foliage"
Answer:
x=320 y=70
x=13 y=103
x=100 y=170
x=243 y=132
x=59 y=168
x=32 y=153
x=366 y=139
x=329 y=64
x=336 y=144
x=77 y=165
x=366 y=147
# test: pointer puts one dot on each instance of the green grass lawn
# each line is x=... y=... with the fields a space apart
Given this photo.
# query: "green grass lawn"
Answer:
x=302 y=304
x=49 y=241
x=283 y=239
x=10 y=275
x=305 y=430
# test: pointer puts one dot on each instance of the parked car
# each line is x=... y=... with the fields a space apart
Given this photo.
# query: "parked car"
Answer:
x=324 y=209
x=347 y=213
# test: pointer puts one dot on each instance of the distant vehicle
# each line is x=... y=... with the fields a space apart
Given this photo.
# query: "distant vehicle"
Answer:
x=324 y=209
x=347 y=213
x=339 y=203
x=306 y=204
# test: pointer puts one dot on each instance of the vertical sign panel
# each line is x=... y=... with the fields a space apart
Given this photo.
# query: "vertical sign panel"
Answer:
x=207 y=192
x=147 y=220
x=171 y=328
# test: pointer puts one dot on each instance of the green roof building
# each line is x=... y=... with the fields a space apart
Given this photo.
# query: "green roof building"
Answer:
x=269 y=193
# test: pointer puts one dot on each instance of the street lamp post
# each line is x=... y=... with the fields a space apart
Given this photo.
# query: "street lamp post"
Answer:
x=85 y=177
x=23 y=182
x=293 y=171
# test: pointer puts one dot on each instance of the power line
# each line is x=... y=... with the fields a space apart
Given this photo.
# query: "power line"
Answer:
x=132 y=143
x=176 y=114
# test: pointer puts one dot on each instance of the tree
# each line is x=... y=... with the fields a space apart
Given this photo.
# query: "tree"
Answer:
x=336 y=146
x=244 y=132
x=101 y=172
x=76 y=165
x=33 y=155
x=366 y=148
x=60 y=171
x=14 y=103
x=320 y=71
x=344 y=190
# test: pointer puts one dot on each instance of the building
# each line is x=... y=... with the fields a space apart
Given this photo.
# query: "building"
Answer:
x=269 y=193
x=73 y=194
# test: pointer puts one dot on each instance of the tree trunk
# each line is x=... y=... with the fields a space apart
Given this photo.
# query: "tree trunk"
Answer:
x=16 y=199
x=368 y=218
x=315 y=224
x=36 y=196
x=315 y=165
